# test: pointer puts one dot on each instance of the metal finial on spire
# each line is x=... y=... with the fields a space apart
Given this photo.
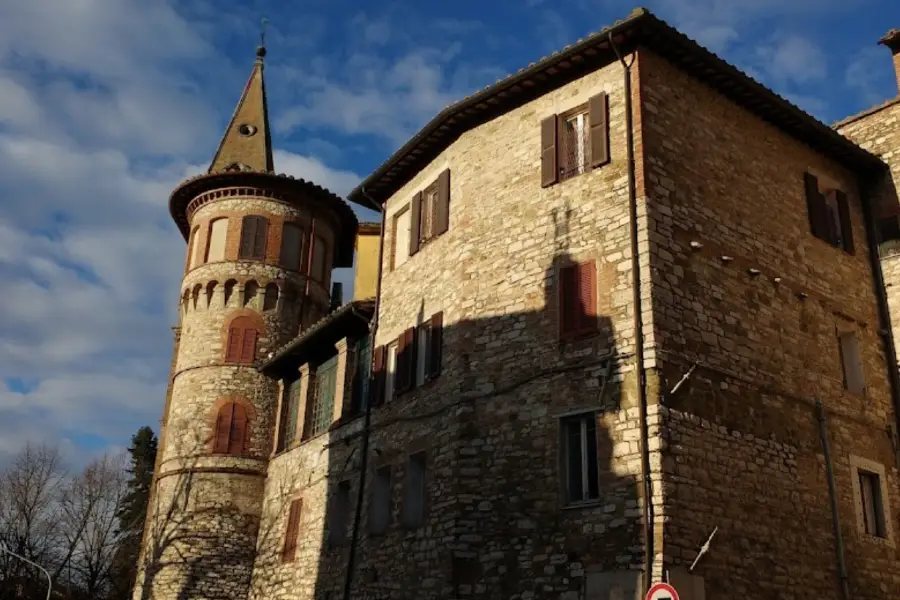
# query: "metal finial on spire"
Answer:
x=261 y=49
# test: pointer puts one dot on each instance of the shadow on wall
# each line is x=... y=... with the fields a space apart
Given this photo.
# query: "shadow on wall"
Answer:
x=514 y=473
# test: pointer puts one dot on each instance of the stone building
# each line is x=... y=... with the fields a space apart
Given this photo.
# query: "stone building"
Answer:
x=621 y=303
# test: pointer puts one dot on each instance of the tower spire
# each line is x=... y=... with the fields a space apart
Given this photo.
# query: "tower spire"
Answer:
x=247 y=143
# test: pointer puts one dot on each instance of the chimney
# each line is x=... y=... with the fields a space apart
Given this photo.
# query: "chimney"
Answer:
x=367 y=239
x=892 y=41
x=337 y=296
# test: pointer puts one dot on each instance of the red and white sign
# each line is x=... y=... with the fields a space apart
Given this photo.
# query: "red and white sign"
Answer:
x=662 y=591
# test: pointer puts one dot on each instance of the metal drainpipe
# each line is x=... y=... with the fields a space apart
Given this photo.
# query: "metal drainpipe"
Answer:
x=364 y=444
x=832 y=495
x=638 y=324
x=884 y=318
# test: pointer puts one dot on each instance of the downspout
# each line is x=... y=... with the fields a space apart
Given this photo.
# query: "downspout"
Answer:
x=638 y=323
x=364 y=443
x=884 y=317
x=832 y=496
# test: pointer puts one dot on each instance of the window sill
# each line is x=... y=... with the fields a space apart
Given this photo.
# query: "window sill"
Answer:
x=583 y=504
x=884 y=542
x=577 y=336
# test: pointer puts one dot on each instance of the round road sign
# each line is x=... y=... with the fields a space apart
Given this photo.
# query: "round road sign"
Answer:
x=662 y=591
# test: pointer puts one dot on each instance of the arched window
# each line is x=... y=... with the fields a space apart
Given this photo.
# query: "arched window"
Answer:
x=271 y=298
x=210 y=292
x=319 y=259
x=254 y=231
x=291 y=246
x=242 y=338
x=231 y=429
x=215 y=249
x=195 y=295
x=193 y=245
x=251 y=288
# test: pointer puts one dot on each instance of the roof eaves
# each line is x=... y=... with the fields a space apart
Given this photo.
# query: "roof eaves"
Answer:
x=865 y=113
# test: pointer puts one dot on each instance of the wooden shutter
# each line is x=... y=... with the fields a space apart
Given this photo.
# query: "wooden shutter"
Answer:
x=846 y=225
x=292 y=531
x=233 y=350
x=433 y=368
x=415 y=218
x=549 y=157
x=260 y=237
x=598 y=108
x=568 y=296
x=291 y=246
x=238 y=432
x=248 y=237
x=377 y=389
x=223 y=428
x=441 y=221
x=587 y=296
x=815 y=206
x=401 y=375
x=248 y=345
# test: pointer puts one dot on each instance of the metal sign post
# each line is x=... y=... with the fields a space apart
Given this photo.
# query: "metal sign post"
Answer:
x=34 y=564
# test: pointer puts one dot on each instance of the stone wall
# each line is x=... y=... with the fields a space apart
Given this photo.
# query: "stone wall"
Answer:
x=742 y=289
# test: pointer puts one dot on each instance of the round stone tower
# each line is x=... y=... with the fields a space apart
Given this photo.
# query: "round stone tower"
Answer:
x=261 y=248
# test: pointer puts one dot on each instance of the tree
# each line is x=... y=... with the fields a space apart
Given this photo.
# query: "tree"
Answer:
x=133 y=511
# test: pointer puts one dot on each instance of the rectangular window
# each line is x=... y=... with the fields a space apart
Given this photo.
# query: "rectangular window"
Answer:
x=291 y=246
x=390 y=373
x=872 y=504
x=577 y=299
x=423 y=352
x=829 y=214
x=573 y=145
x=426 y=219
x=401 y=237
x=218 y=231
x=291 y=414
x=339 y=513
x=195 y=248
x=361 y=374
x=292 y=531
x=380 y=508
x=319 y=259
x=580 y=459
x=851 y=363
x=254 y=233
x=321 y=411
x=414 y=491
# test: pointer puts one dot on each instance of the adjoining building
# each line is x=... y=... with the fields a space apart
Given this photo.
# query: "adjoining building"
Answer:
x=621 y=303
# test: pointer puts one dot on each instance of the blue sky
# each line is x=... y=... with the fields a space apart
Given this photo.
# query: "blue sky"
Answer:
x=105 y=105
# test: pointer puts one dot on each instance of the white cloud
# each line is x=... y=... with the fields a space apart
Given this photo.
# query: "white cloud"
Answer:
x=869 y=74
x=312 y=169
x=794 y=58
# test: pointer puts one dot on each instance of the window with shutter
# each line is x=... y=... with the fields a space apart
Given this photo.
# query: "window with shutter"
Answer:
x=320 y=413
x=291 y=414
x=319 y=259
x=423 y=351
x=194 y=248
x=829 y=214
x=291 y=246
x=292 y=531
x=406 y=360
x=363 y=360
x=575 y=141
x=400 y=248
x=242 y=339
x=436 y=349
x=413 y=513
x=577 y=309
x=573 y=144
x=231 y=429
x=581 y=466
x=254 y=231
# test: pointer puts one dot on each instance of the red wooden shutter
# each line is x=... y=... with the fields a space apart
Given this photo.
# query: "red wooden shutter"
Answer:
x=233 y=349
x=238 y=433
x=442 y=205
x=846 y=224
x=248 y=346
x=248 y=237
x=223 y=428
x=376 y=391
x=549 y=165
x=292 y=531
x=415 y=220
x=587 y=296
x=260 y=236
x=598 y=108
x=568 y=299
x=434 y=355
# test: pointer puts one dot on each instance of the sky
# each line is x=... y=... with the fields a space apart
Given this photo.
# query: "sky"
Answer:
x=106 y=105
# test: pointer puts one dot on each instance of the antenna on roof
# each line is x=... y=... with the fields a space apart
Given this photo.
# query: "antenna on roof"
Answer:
x=261 y=50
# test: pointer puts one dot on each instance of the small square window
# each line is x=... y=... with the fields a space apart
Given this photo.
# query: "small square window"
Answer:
x=871 y=502
x=580 y=459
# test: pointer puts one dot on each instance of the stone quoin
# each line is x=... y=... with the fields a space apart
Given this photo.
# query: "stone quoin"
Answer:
x=627 y=297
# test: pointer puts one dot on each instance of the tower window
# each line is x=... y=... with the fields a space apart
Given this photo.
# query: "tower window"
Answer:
x=270 y=300
x=291 y=246
x=319 y=259
x=242 y=338
x=254 y=231
x=194 y=248
x=218 y=231
x=231 y=429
